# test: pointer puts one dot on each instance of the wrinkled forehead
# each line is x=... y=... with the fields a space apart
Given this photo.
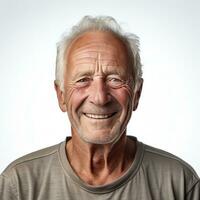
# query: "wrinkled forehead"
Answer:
x=93 y=47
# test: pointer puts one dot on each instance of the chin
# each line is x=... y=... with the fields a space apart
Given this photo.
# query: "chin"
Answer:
x=108 y=136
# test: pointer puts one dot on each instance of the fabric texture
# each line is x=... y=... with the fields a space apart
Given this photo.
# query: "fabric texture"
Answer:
x=47 y=175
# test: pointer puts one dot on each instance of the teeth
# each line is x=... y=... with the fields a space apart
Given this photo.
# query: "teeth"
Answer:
x=93 y=116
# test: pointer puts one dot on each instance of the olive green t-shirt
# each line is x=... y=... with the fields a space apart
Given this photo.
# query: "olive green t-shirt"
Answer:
x=47 y=175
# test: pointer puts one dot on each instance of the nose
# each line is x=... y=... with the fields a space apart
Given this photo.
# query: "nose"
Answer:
x=99 y=94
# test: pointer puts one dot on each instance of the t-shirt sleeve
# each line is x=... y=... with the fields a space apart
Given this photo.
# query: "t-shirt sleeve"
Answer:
x=194 y=193
x=7 y=191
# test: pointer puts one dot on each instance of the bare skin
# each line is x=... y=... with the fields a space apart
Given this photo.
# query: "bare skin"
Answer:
x=102 y=164
x=99 y=98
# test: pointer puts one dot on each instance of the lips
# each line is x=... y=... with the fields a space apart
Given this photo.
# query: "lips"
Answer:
x=99 y=116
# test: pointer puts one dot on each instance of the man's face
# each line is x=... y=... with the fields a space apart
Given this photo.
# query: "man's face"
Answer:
x=98 y=87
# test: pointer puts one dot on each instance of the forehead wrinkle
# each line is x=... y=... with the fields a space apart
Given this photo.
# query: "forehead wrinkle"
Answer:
x=93 y=47
x=101 y=56
x=92 y=44
x=106 y=41
x=109 y=70
x=85 y=52
x=77 y=54
x=84 y=60
x=96 y=58
x=93 y=62
x=99 y=65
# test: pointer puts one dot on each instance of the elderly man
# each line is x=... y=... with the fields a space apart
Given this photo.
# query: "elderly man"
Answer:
x=98 y=83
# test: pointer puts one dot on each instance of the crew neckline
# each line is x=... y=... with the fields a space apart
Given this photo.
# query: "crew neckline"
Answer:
x=129 y=174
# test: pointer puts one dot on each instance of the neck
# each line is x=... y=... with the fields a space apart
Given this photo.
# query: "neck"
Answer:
x=102 y=164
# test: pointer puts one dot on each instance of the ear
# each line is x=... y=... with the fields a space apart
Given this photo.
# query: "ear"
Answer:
x=137 y=93
x=61 y=97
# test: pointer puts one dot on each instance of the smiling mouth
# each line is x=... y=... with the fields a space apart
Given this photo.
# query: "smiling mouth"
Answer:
x=99 y=116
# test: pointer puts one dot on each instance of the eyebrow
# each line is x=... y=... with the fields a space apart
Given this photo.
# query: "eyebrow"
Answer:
x=81 y=74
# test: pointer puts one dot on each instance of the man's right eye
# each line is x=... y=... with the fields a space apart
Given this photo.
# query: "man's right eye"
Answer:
x=83 y=82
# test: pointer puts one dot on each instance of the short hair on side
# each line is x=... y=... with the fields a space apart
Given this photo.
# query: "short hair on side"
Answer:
x=98 y=23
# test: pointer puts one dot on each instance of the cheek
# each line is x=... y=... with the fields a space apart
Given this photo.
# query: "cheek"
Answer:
x=74 y=98
x=123 y=95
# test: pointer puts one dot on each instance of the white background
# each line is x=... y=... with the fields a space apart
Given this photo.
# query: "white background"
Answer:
x=169 y=111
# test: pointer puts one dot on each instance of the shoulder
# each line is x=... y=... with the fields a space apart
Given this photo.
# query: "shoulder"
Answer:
x=34 y=159
x=164 y=165
x=164 y=158
x=30 y=171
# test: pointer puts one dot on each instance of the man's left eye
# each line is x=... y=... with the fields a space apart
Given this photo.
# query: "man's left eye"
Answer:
x=115 y=82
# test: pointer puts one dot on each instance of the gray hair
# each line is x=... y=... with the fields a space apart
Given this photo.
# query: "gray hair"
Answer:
x=99 y=23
